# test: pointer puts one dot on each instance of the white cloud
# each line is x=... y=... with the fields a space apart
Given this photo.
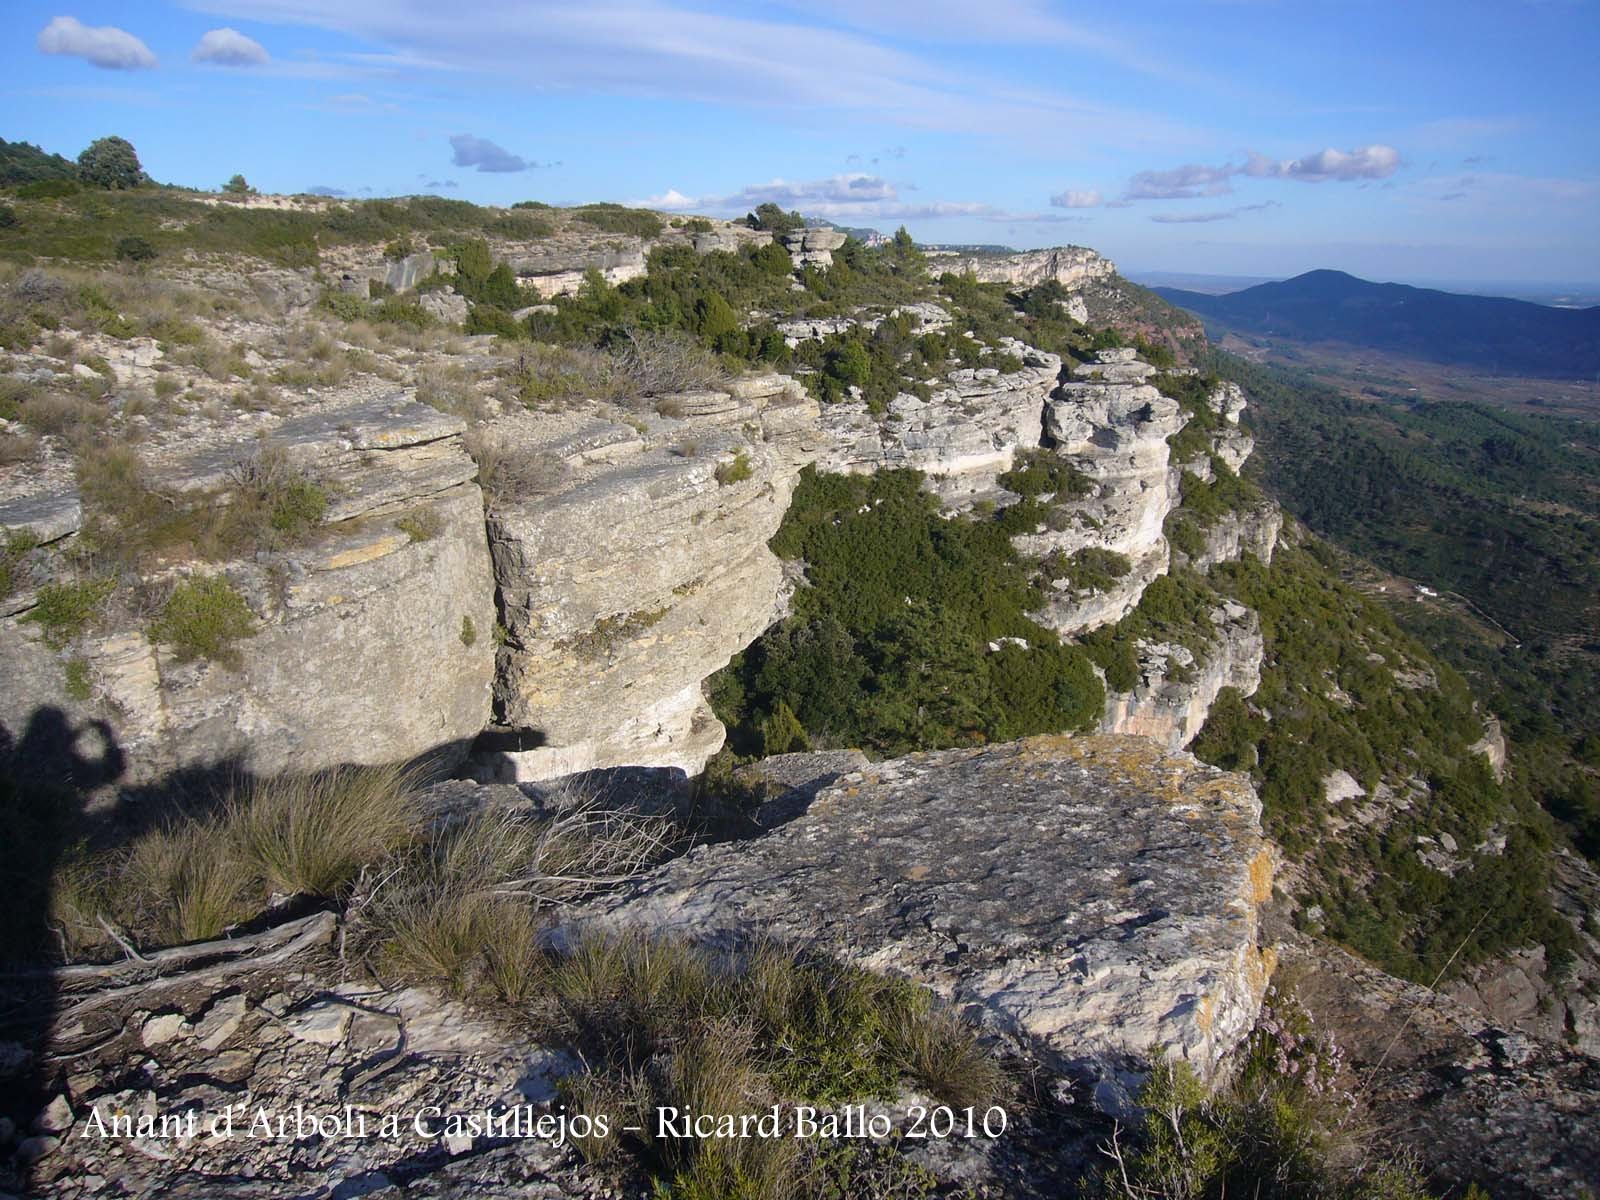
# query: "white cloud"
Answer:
x=671 y=200
x=1207 y=217
x=1193 y=180
x=1077 y=199
x=229 y=48
x=729 y=55
x=470 y=151
x=850 y=197
x=1182 y=183
x=853 y=188
x=103 y=45
x=1367 y=162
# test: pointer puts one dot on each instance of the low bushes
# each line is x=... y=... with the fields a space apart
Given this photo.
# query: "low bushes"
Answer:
x=1280 y=1130
x=663 y=1025
x=889 y=648
x=204 y=618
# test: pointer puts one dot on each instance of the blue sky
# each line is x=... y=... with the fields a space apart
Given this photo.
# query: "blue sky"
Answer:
x=1434 y=140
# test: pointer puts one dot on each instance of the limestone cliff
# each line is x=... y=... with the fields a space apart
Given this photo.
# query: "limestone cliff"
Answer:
x=637 y=571
x=360 y=650
x=1070 y=266
x=963 y=436
x=1177 y=687
x=1112 y=427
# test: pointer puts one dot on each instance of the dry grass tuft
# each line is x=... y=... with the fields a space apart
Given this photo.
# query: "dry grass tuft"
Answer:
x=312 y=834
x=194 y=877
x=509 y=474
x=460 y=907
x=185 y=883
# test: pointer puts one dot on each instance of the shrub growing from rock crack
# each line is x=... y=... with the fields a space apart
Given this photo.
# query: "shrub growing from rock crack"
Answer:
x=204 y=618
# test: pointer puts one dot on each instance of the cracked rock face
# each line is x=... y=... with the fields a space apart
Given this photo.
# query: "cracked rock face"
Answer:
x=360 y=651
x=1112 y=426
x=639 y=572
x=1477 y=1103
x=1175 y=691
x=1235 y=534
x=1093 y=898
x=1071 y=266
x=334 y=1063
x=964 y=436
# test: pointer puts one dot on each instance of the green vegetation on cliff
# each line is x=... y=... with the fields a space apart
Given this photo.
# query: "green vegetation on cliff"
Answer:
x=1343 y=688
x=889 y=646
x=1502 y=509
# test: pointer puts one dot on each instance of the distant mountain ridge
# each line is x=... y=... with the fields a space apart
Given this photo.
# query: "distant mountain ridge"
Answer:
x=1512 y=337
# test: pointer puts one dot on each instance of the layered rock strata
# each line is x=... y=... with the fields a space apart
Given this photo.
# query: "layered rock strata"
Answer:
x=636 y=571
x=1070 y=266
x=1110 y=426
x=360 y=650
x=1177 y=687
x=963 y=437
x=1093 y=898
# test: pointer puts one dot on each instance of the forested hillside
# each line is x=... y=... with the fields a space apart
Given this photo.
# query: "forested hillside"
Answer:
x=1500 y=508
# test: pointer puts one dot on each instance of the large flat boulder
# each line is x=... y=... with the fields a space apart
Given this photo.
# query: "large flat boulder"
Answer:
x=1092 y=898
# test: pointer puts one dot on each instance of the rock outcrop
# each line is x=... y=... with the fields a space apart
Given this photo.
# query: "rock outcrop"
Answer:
x=962 y=437
x=557 y=267
x=332 y=1060
x=1093 y=898
x=1476 y=1102
x=1112 y=427
x=813 y=247
x=1070 y=266
x=1234 y=534
x=1177 y=687
x=636 y=570
x=360 y=651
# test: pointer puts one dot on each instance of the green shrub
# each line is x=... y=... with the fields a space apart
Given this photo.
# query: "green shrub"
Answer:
x=735 y=471
x=1278 y=1130
x=1043 y=472
x=782 y=733
x=204 y=618
x=469 y=632
x=406 y=313
x=78 y=683
x=14 y=553
x=421 y=526
x=1089 y=569
x=299 y=508
x=65 y=610
x=48 y=189
x=614 y=218
x=135 y=249
x=664 y=1024
x=110 y=162
x=888 y=647
x=771 y=217
x=345 y=306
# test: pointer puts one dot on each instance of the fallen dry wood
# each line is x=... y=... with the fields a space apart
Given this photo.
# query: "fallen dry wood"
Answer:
x=104 y=981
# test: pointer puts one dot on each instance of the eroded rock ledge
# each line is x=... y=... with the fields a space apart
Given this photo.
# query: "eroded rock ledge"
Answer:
x=370 y=643
x=1093 y=898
